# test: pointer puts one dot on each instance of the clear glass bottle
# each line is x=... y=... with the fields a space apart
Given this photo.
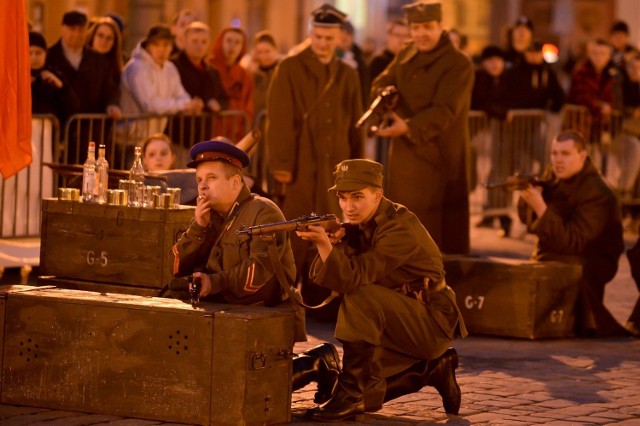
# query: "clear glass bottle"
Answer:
x=136 y=176
x=89 y=175
x=102 y=175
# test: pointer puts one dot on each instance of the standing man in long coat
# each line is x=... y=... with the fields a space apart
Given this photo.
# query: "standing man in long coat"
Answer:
x=313 y=104
x=428 y=161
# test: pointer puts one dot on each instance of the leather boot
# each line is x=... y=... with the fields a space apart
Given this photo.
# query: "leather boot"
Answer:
x=320 y=364
x=442 y=376
x=439 y=373
x=348 y=399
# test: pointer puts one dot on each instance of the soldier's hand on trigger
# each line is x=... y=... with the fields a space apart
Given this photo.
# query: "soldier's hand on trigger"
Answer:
x=205 y=288
x=317 y=235
x=203 y=211
x=398 y=127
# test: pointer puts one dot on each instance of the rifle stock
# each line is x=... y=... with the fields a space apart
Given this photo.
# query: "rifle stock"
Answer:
x=518 y=183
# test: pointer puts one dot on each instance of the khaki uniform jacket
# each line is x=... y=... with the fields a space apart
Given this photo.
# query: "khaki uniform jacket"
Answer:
x=392 y=250
x=312 y=110
x=238 y=265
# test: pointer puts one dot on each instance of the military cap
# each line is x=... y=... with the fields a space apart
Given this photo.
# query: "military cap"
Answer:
x=354 y=175
x=423 y=12
x=218 y=149
x=74 y=19
x=157 y=32
x=327 y=16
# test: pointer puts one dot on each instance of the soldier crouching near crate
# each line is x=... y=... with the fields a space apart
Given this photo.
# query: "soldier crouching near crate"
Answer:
x=236 y=269
x=398 y=316
x=577 y=219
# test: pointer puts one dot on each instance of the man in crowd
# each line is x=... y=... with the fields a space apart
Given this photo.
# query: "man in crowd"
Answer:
x=398 y=316
x=179 y=25
x=88 y=75
x=397 y=36
x=313 y=105
x=430 y=129
x=239 y=269
x=578 y=220
x=201 y=81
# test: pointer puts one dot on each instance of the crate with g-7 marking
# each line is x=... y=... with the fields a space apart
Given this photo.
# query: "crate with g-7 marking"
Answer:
x=514 y=297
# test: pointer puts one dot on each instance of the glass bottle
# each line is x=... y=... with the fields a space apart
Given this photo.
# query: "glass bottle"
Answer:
x=102 y=175
x=136 y=178
x=89 y=175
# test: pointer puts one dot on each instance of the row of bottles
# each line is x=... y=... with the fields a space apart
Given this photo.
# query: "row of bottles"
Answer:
x=95 y=177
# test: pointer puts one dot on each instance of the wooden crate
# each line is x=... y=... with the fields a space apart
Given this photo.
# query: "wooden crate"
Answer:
x=110 y=244
x=515 y=298
x=147 y=357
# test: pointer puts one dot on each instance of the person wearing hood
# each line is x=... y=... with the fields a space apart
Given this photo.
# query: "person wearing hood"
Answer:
x=228 y=49
x=151 y=83
x=577 y=219
x=429 y=129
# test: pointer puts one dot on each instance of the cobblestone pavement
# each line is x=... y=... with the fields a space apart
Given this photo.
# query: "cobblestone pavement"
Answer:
x=504 y=381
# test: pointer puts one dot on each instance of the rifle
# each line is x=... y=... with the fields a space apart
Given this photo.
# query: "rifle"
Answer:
x=518 y=183
x=327 y=221
x=379 y=108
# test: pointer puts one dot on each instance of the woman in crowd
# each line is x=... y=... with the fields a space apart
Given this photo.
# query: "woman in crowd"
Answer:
x=104 y=37
x=228 y=49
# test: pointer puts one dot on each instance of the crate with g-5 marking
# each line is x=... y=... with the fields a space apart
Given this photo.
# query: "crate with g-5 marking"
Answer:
x=111 y=245
x=514 y=297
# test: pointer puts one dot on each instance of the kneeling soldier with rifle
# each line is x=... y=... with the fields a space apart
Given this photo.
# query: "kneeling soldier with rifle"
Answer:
x=236 y=268
x=398 y=316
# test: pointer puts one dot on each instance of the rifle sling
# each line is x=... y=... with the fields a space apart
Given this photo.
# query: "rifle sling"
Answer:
x=270 y=240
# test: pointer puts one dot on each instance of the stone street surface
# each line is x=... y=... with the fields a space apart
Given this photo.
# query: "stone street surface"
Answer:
x=503 y=381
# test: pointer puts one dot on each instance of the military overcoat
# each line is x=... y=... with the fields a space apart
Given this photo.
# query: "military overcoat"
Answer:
x=312 y=109
x=428 y=168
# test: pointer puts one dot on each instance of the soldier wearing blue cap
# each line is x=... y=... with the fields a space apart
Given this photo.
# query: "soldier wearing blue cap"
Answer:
x=430 y=128
x=398 y=316
x=237 y=269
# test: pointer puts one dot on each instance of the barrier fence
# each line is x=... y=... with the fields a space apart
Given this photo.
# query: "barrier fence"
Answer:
x=521 y=143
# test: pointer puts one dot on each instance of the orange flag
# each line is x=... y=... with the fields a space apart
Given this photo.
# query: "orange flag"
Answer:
x=15 y=84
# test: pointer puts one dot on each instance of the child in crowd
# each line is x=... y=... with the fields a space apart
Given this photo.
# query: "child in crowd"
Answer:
x=49 y=95
x=158 y=153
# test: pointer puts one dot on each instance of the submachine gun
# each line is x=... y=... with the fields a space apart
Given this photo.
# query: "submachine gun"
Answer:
x=327 y=221
x=384 y=103
x=519 y=183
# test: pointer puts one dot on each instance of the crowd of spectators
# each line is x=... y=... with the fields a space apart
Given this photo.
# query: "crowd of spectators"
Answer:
x=184 y=68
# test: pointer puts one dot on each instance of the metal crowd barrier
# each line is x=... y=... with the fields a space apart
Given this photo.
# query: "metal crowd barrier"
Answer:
x=502 y=148
x=20 y=195
x=121 y=135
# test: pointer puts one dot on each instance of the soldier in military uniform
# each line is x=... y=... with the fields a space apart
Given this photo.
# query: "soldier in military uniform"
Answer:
x=237 y=269
x=429 y=130
x=398 y=316
x=313 y=104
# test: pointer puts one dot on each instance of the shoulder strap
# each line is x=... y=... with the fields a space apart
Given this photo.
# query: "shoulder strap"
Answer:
x=270 y=240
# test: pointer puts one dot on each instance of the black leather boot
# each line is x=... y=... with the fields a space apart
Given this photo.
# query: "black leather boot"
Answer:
x=439 y=373
x=320 y=364
x=442 y=376
x=348 y=400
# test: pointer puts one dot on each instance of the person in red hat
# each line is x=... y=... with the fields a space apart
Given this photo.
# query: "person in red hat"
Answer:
x=237 y=269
